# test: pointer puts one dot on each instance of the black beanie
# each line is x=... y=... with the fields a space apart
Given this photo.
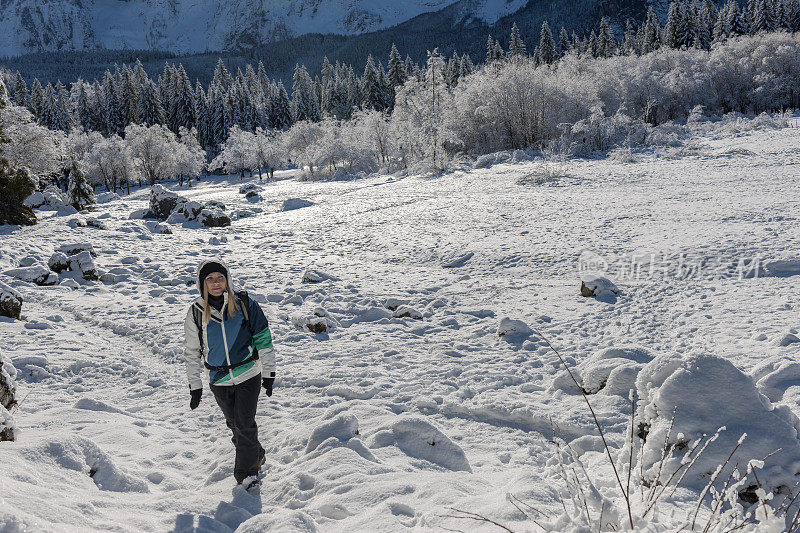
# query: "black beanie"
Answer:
x=208 y=268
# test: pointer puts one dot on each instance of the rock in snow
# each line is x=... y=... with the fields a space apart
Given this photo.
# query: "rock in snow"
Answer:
x=10 y=302
x=8 y=389
x=598 y=286
x=38 y=274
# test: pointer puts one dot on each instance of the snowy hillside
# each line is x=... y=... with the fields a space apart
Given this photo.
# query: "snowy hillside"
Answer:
x=384 y=423
x=188 y=26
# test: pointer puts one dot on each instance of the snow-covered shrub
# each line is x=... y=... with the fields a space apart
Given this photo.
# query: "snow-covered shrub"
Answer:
x=516 y=107
x=685 y=399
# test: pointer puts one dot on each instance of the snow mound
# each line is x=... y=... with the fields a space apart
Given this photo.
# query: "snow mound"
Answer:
x=456 y=259
x=83 y=264
x=313 y=275
x=105 y=197
x=707 y=393
x=418 y=438
x=295 y=203
x=282 y=520
x=513 y=330
x=51 y=199
x=341 y=431
x=82 y=455
x=38 y=274
x=610 y=371
x=774 y=384
x=344 y=427
x=786 y=339
x=783 y=268
x=405 y=311
x=594 y=284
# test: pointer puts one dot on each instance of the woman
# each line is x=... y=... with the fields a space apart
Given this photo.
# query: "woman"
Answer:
x=228 y=334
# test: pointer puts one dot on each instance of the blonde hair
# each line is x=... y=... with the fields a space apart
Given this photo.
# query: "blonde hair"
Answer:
x=232 y=306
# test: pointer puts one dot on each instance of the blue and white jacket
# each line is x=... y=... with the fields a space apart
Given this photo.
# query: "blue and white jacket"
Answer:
x=226 y=341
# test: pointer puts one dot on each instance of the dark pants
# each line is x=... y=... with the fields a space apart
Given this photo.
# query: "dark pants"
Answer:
x=238 y=404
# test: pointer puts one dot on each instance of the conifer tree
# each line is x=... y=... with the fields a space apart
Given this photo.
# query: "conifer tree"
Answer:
x=489 y=50
x=150 y=110
x=546 y=52
x=79 y=193
x=606 y=41
x=671 y=34
x=651 y=35
x=304 y=102
x=516 y=47
x=397 y=72
x=564 y=43
x=794 y=17
x=372 y=92
x=280 y=113
x=222 y=78
x=21 y=94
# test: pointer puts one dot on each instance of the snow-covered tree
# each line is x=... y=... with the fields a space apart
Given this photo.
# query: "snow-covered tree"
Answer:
x=31 y=145
x=110 y=163
x=79 y=193
x=238 y=153
x=269 y=152
x=15 y=184
x=547 y=47
x=304 y=101
x=417 y=116
x=154 y=148
x=300 y=143
x=516 y=47
x=190 y=159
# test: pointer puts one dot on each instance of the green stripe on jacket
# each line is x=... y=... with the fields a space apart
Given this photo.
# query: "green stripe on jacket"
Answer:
x=262 y=340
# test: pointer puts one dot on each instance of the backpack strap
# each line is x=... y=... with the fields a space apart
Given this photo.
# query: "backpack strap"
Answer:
x=197 y=314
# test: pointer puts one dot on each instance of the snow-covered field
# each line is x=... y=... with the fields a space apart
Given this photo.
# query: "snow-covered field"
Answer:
x=427 y=415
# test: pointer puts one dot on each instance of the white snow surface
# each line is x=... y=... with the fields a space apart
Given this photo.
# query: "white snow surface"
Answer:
x=383 y=423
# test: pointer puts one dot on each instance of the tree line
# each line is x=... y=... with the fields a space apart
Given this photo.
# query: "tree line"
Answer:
x=250 y=99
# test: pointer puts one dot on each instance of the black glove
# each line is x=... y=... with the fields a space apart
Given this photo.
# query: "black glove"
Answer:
x=267 y=384
x=195 y=401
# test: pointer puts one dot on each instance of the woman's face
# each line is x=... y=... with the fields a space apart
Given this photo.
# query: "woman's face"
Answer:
x=216 y=284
